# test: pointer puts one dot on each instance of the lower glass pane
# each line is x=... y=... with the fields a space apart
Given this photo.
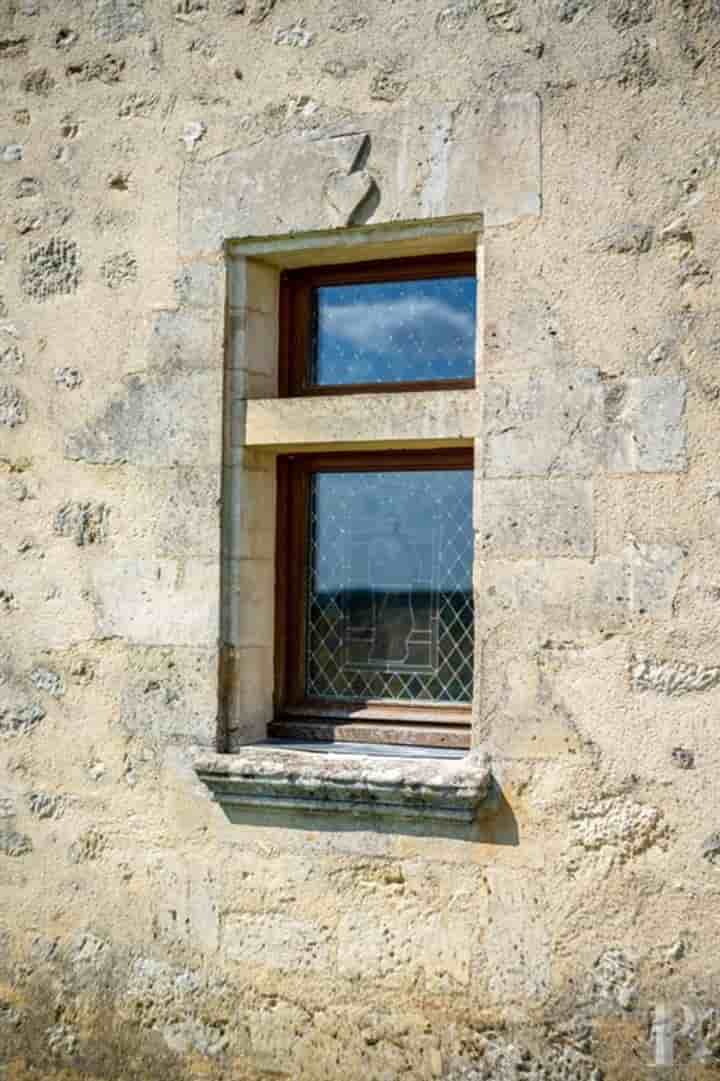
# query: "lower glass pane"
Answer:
x=390 y=605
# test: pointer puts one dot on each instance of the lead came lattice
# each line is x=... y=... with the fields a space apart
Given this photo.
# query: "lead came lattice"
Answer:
x=390 y=607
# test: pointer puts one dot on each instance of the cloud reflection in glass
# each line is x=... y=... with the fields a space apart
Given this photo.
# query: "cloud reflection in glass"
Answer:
x=394 y=332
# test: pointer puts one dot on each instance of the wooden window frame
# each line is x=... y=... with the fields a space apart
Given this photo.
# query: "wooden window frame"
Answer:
x=296 y=318
x=296 y=716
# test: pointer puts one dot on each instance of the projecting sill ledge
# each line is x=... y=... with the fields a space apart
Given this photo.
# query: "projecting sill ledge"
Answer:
x=361 y=784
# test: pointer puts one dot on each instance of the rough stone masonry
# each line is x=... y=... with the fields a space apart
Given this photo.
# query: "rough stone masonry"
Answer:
x=144 y=933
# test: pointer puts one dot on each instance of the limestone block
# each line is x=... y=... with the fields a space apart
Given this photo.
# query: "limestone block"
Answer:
x=184 y=899
x=172 y=418
x=428 y=162
x=436 y=416
x=276 y=941
x=534 y=516
x=400 y=941
x=157 y=602
x=116 y=19
x=655 y=573
x=201 y=284
x=647 y=428
x=522 y=328
x=515 y=960
x=185 y=338
x=559 y=593
x=170 y=694
x=576 y=593
x=543 y=423
x=51 y=606
x=177 y=512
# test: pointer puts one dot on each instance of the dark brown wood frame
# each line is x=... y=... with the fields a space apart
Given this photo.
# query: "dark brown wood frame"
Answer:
x=296 y=318
x=368 y=721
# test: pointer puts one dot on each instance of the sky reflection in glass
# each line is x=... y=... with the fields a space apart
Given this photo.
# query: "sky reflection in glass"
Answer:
x=394 y=332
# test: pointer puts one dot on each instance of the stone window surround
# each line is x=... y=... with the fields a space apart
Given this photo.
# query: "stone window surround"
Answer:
x=248 y=772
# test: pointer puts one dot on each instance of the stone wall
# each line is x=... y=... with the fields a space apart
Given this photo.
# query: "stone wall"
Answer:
x=144 y=932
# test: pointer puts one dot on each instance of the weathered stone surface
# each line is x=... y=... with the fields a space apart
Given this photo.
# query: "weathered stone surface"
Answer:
x=646 y=425
x=51 y=269
x=297 y=36
x=276 y=941
x=544 y=424
x=711 y=848
x=12 y=359
x=379 y=941
x=88 y=846
x=119 y=270
x=605 y=593
x=627 y=240
x=115 y=19
x=19 y=719
x=532 y=516
x=148 y=933
x=28 y=187
x=198 y=285
x=14 y=844
x=47 y=680
x=47 y=804
x=105 y=69
x=683 y=758
x=440 y=416
x=160 y=420
x=412 y=788
x=156 y=602
x=523 y=971
x=184 y=338
x=502 y=1060
x=614 y=978
x=456 y=161
x=68 y=377
x=37 y=81
x=13 y=407
x=86 y=523
x=673 y=678
x=655 y=572
x=622 y=827
x=171 y=695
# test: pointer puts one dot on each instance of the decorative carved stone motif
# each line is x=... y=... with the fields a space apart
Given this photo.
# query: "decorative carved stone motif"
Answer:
x=350 y=190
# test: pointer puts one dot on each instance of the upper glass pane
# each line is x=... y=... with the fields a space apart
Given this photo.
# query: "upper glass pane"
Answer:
x=390 y=602
x=394 y=332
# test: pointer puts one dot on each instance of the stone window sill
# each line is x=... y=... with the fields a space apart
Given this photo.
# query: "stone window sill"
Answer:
x=357 y=780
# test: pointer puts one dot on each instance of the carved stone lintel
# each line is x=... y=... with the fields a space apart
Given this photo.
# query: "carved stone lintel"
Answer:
x=360 y=785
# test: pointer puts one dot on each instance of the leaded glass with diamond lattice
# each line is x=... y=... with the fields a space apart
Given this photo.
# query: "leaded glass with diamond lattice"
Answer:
x=390 y=604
